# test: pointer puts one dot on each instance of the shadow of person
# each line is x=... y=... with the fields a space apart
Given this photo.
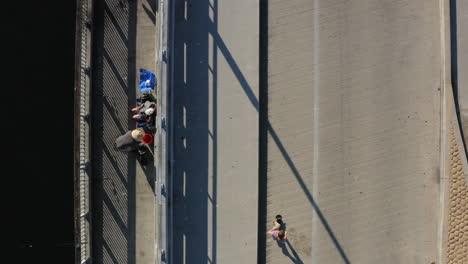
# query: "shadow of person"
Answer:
x=294 y=257
x=146 y=162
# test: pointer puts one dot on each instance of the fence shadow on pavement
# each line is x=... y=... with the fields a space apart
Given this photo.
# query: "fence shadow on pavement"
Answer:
x=195 y=32
x=266 y=124
x=113 y=88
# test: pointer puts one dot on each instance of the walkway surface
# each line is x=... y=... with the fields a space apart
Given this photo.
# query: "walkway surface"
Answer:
x=216 y=132
x=124 y=227
x=457 y=199
x=353 y=132
x=459 y=25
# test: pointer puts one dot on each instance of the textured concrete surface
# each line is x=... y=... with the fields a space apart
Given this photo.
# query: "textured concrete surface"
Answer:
x=354 y=119
x=457 y=207
x=455 y=211
x=122 y=190
x=216 y=132
x=459 y=27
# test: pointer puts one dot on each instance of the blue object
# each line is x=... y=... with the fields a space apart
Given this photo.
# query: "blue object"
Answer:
x=144 y=124
x=147 y=80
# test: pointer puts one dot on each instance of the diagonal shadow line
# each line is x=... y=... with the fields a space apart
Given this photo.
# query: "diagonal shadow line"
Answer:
x=111 y=254
x=150 y=14
x=284 y=250
x=116 y=24
x=154 y=5
x=253 y=99
x=114 y=165
x=114 y=117
x=114 y=69
x=297 y=259
x=307 y=193
x=115 y=215
x=235 y=69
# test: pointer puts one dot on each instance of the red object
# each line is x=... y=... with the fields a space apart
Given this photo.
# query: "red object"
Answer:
x=147 y=139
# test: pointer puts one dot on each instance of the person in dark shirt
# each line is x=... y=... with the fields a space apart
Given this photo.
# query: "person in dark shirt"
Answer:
x=145 y=116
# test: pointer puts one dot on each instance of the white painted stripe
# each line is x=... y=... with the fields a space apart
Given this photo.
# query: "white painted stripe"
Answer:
x=316 y=130
x=185 y=63
x=184 y=245
x=184 y=114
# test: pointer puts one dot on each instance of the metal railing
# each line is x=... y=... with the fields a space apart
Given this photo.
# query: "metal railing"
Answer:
x=164 y=171
x=82 y=169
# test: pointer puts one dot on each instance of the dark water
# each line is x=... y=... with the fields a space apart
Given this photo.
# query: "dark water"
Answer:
x=37 y=127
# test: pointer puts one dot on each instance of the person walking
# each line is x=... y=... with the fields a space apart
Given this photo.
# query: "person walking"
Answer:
x=278 y=231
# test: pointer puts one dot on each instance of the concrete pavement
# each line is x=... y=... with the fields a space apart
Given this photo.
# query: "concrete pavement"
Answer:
x=216 y=132
x=353 y=133
x=352 y=127
x=147 y=46
x=124 y=217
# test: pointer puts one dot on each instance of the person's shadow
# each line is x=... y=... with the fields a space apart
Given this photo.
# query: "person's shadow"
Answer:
x=284 y=248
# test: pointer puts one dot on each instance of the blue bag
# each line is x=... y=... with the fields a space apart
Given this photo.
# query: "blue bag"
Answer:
x=147 y=80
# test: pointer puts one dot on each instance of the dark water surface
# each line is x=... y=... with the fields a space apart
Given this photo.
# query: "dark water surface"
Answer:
x=37 y=127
